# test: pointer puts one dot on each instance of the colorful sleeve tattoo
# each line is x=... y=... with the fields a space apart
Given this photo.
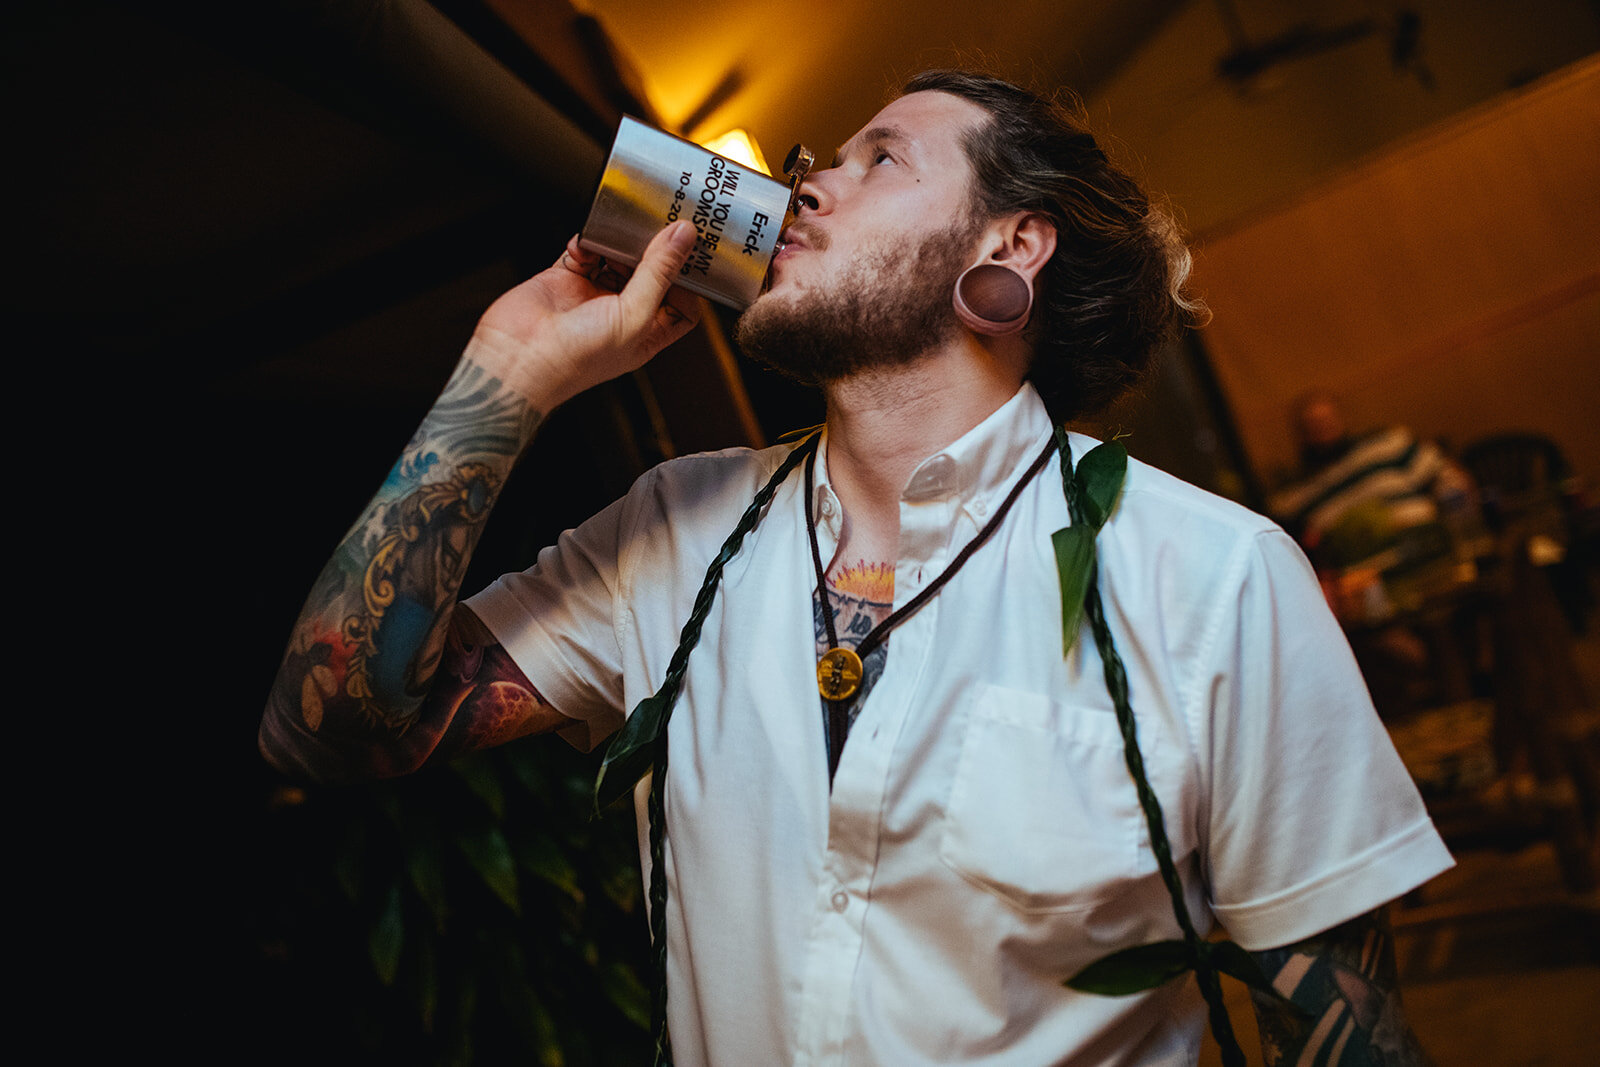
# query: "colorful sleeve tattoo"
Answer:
x=355 y=694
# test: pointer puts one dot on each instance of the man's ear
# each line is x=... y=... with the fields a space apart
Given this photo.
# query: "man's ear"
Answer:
x=1024 y=242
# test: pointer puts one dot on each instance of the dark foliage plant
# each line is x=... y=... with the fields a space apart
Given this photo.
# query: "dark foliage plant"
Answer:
x=478 y=913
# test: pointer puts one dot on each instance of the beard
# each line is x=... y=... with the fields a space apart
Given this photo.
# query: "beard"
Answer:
x=886 y=310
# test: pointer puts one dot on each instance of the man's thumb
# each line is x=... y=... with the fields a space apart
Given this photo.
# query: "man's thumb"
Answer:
x=663 y=258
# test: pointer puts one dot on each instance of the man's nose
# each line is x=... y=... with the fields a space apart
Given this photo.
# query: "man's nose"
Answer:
x=815 y=196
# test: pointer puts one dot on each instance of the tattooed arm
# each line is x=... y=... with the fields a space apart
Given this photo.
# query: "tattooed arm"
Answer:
x=1343 y=1000
x=383 y=671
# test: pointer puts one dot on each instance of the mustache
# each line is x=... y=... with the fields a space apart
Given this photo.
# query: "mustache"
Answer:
x=809 y=233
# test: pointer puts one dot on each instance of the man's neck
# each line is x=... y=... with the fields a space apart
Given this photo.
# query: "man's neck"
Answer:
x=883 y=423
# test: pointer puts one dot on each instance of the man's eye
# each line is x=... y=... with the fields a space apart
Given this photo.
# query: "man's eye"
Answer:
x=882 y=157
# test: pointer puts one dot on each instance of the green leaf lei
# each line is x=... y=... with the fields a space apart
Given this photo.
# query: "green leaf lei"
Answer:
x=1091 y=490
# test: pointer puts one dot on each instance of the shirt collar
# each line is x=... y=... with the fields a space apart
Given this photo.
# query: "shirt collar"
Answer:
x=974 y=471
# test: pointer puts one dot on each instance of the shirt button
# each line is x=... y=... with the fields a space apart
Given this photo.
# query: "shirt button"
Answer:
x=979 y=507
x=841 y=900
x=827 y=506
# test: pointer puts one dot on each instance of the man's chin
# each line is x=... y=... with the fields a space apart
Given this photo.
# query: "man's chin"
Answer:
x=771 y=331
x=776 y=290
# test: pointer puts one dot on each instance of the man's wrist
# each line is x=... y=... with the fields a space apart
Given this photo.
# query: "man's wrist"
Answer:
x=520 y=368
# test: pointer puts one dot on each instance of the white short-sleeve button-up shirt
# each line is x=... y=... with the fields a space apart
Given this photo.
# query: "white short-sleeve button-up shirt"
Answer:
x=982 y=840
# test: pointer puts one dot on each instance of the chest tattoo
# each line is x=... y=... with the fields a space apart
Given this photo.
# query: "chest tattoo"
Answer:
x=862 y=596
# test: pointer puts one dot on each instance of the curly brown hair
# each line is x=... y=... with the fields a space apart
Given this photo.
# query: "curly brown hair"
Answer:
x=1114 y=292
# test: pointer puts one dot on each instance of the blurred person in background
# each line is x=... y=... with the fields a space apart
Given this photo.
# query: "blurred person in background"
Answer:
x=1354 y=492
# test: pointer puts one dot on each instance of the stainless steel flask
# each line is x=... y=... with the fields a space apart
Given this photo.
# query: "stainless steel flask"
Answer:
x=653 y=178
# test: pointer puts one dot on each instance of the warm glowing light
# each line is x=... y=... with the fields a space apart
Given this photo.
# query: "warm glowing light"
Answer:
x=738 y=145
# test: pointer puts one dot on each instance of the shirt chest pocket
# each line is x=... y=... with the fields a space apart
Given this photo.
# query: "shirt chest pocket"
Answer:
x=1043 y=812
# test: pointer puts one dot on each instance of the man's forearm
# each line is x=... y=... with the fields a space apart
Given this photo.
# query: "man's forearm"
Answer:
x=349 y=695
x=1338 y=999
x=352 y=697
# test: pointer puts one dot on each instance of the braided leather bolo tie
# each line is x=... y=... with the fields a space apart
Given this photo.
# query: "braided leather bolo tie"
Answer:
x=840 y=670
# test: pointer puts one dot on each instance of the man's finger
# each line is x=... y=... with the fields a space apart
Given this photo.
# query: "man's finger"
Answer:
x=577 y=259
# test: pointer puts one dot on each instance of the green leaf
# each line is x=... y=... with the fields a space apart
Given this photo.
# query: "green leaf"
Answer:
x=460 y=1052
x=624 y=989
x=427 y=987
x=386 y=798
x=616 y=864
x=524 y=1012
x=425 y=867
x=548 y=1041
x=631 y=752
x=528 y=768
x=387 y=937
x=541 y=856
x=1133 y=970
x=1099 y=476
x=350 y=863
x=1074 y=547
x=490 y=856
x=1235 y=962
x=483 y=781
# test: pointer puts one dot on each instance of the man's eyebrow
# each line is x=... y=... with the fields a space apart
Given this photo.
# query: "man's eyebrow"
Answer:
x=878 y=135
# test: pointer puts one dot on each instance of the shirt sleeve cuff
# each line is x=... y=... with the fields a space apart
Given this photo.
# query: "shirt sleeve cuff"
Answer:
x=506 y=619
x=1369 y=880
